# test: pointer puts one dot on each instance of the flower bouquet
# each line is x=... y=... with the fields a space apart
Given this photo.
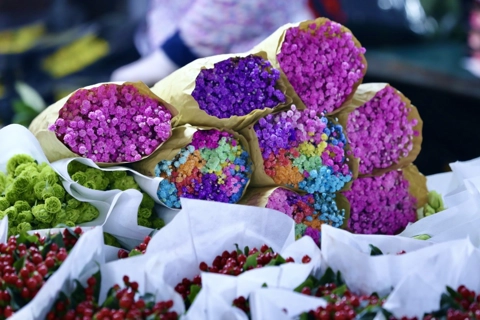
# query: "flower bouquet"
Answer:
x=309 y=211
x=322 y=60
x=206 y=164
x=227 y=91
x=301 y=150
x=32 y=194
x=108 y=123
x=384 y=130
x=46 y=265
x=388 y=203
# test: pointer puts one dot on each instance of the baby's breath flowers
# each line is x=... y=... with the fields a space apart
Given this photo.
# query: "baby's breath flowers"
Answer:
x=112 y=123
x=214 y=166
x=238 y=86
x=380 y=132
x=322 y=63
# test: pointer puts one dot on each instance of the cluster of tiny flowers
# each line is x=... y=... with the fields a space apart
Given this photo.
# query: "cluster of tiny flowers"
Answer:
x=214 y=166
x=309 y=211
x=380 y=132
x=381 y=205
x=322 y=64
x=112 y=123
x=238 y=86
x=303 y=150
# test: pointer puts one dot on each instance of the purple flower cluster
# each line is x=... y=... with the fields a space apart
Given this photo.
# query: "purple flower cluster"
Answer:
x=112 y=123
x=380 y=132
x=322 y=64
x=238 y=86
x=381 y=205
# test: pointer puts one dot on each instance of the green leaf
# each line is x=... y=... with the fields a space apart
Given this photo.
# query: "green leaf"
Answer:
x=194 y=290
x=98 y=284
x=149 y=299
x=277 y=261
x=246 y=250
x=134 y=252
x=30 y=96
x=238 y=249
x=251 y=261
x=422 y=237
x=17 y=302
x=78 y=295
x=56 y=238
x=264 y=285
x=375 y=251
x=369 y=313
x=305 y=316
x=340 y=291
x=19 y=264
x=27 y=239
x=111 y=302
x=331 y=277
x=310 y=282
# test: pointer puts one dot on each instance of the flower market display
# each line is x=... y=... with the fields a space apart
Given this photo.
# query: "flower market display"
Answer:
x=383 y=129
x=32 y=197
x=108 y=123
x=222 y=192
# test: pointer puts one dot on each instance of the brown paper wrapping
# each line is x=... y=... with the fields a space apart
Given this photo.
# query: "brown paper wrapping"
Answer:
x=261 y=179
x=273 y=45
x=181 y=137
x=418 y=184
x=54 y=149
x=365 y=93
x=258 y=197
x=178 y=87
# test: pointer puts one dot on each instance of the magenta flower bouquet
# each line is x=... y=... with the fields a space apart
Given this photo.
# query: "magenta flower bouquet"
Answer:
x=322 y=60
x=227 y=91
x=309 y=211
x=386 y=204
x=107 y=123
x=383 y=128
x=204 y=164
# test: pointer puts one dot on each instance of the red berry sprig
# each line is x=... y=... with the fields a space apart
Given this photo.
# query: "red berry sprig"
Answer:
x=458 y=305
x=243 y=304
x=26 y=262
x=121 y=303
x=232 y=263
x=140 y=249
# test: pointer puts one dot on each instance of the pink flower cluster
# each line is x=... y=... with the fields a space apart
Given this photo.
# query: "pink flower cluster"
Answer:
x=381 y=205
x=322 y=64
x=380 y=132
x=112 y=123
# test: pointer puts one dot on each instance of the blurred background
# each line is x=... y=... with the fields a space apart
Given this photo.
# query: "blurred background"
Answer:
x=428 y=49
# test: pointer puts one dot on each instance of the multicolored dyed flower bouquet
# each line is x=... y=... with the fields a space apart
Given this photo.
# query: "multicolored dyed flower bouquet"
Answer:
x=383 y=128
x=300 y=150
x=107 y=123
x=206 y=164
x=227 y=91
x=322 y=60
x=309 y=211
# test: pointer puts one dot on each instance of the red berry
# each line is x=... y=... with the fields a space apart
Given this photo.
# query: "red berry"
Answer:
x=54 y=247
x=134 y=286
x=142 y=247
x=264 y=248
x=122 y=254
x=203 y=266
x=289 y=259
x=126 y=280
x=8 y=312
x=49 y=262
x=147 y=239
x=306 y=259
x=91 y=281
x=78 y=231
x=125 y=303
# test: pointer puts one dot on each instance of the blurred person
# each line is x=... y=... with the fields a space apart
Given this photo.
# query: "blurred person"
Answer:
x=472 y=63
x=178 y=32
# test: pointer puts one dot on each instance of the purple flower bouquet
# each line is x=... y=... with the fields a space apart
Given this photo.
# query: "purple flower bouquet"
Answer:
x=310 y=211
x=383 y=128
x=227 y=91
x=322 y=60
x=386 y=204
x=204 y=164
x=107 y=123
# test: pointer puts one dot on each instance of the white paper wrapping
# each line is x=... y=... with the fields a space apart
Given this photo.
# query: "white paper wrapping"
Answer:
x=367 y=274
x=218 y=291
x=86 y=254
x=279 y=304
x=445 y=221
x=442 y=183
x=4 y=230
x=420 y=292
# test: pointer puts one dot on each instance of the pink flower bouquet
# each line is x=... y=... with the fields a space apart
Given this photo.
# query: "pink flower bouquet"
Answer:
x=107 y=123
x=383 y=128
x=322 y=60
